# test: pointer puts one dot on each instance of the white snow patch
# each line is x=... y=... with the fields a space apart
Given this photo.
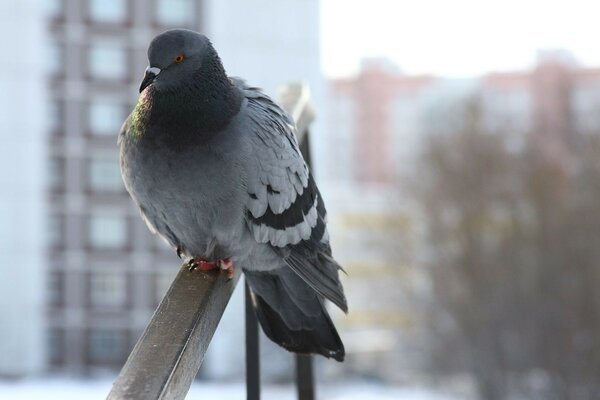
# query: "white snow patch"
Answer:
x=71 y=389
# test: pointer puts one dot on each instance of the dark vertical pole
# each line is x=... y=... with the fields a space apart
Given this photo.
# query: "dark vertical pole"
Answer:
x=304 y=368
x=252 y=350
x=304 y=377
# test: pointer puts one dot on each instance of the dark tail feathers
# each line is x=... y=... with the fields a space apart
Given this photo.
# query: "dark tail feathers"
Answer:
x=292 y=314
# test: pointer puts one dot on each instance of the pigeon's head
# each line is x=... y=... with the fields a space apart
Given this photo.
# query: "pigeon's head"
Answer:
x=176 y=57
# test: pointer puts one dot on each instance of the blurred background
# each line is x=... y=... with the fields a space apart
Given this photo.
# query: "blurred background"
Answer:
x=457 y=145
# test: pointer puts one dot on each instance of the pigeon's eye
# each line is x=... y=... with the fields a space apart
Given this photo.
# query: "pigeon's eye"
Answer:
x=179 y=58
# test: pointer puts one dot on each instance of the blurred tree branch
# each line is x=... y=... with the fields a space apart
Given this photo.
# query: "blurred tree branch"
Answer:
x=513 y=252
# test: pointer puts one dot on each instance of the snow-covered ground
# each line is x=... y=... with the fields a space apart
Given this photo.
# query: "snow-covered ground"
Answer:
x=67 y=389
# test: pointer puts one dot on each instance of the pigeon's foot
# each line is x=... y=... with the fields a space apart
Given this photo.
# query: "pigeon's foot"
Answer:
x=179 y=251
x=203 y=265
x=227 y=265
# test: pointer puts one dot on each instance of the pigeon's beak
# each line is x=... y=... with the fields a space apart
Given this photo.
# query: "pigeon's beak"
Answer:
x=151 y=73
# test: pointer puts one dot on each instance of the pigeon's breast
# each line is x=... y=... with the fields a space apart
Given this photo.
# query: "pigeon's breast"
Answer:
x=193 y=196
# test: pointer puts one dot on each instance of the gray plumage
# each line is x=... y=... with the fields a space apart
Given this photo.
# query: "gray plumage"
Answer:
x=214 y=167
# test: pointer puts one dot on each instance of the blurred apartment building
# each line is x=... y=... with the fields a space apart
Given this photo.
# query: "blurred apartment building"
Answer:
x=90 y=293
x=554 y=102
x=106 y=272
x=376 y=119
x=375 y=123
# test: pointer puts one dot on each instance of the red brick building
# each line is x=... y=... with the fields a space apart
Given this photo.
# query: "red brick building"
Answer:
x=362 y=119
x=377 y=118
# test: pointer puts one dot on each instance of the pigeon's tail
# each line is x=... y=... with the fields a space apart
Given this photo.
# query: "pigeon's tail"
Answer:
x=292 y=314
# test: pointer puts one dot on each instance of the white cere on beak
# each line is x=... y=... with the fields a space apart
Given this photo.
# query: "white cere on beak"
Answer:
x=153 y=70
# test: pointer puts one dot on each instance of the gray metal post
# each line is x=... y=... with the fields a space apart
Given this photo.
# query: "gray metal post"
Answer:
x=169 y=353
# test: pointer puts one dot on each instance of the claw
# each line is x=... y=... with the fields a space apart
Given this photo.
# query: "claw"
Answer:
x=179 y=251
x=192 y=265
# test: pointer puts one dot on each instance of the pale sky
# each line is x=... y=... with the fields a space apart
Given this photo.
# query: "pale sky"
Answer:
x=456 y=37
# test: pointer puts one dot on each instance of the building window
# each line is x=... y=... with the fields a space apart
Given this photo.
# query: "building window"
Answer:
x=55 y=232
x=111 y=11
x=174 y=12
x=56 y=348
x=108 y=289
x=107 y=346
x=107 y=230
x=104 y=173
x=55 y=288
x=55 y=109
x=107 y=61
x=55 y=177
x=105 y=117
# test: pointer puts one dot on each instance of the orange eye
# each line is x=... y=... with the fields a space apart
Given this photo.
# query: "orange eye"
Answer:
x=179 y=58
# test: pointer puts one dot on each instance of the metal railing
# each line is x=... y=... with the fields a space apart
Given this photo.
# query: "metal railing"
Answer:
x=168 y=355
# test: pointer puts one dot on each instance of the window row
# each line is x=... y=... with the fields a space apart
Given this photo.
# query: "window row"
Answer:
x=102 y=231
x=104 y=60
x=109 y=289
x=101 y=346
x=102 y=117
x=105 y=232
x=101 y=174
x=166 y=12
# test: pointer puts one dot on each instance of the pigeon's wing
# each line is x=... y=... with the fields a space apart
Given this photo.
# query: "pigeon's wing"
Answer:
x=284 y=207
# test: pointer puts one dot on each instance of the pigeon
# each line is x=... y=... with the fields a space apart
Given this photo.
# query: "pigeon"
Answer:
x=214 y=167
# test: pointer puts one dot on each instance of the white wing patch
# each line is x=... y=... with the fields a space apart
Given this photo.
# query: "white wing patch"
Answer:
x=290 y=235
